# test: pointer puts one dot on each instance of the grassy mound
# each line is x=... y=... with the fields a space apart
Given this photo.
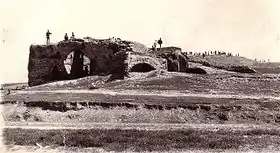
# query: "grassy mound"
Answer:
x=231 y=63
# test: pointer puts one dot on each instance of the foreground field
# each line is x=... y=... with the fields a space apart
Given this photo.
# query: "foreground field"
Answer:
x=144 y=137
x=48 y=149
x=156 y=111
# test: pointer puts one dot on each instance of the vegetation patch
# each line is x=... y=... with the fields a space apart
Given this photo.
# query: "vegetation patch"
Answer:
x=141 y=140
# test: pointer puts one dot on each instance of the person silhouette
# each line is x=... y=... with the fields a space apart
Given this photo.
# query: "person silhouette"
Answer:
x=48 y=36
x=73 y=36
x=155 y=45
x=160 y=43
x=66 y=37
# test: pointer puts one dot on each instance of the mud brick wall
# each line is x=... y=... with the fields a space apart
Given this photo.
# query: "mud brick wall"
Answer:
x=47 y=63
x=176 y=61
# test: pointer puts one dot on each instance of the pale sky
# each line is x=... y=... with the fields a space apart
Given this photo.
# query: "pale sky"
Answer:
x=248 y=27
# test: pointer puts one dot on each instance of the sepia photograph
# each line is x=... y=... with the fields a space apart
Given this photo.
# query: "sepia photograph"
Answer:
x=129 y=76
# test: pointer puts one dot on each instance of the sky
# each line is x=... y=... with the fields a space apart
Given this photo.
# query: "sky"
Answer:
x=248 y=27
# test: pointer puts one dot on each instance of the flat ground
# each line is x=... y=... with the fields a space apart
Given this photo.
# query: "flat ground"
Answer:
x=156 y=111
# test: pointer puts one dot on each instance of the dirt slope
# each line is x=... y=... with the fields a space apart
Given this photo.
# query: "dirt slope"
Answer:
x=225 y=62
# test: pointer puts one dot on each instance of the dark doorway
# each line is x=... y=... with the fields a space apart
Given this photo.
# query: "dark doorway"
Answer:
x=56 y=76
x=142 y=67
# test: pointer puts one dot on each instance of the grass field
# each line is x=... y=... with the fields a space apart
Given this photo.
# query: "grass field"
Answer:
x=156 y=111
x=148 y=140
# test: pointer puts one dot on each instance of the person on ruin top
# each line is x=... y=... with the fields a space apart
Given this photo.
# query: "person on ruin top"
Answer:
x=113 y=39
x=155 y=45
x=73 y=36
x=203 y=55
x=159 y=42
x=66 y=37
x=48 y=36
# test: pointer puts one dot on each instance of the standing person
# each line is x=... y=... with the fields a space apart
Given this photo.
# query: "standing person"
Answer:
x=113 y=40
x=66 y=37
x=73 y=36
x=160 y=43
x=155 y=45
x=48 y=36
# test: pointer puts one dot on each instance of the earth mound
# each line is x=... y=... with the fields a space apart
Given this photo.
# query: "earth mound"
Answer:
x=229 y=63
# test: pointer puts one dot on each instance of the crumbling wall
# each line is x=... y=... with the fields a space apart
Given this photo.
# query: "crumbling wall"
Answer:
x=176 y=61
x=42 y=61
x=105 y=57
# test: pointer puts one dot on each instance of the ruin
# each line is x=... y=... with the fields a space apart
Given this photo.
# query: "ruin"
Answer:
x=76 y=58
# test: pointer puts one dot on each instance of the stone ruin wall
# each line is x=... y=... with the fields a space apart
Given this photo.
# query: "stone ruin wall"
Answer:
x=49 y=63
x=156 y=63
x=176 y=61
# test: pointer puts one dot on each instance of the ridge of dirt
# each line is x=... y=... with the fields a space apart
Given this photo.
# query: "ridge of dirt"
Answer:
x=196 y=112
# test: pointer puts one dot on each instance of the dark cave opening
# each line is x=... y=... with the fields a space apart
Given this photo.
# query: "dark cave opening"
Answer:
x=142 y=67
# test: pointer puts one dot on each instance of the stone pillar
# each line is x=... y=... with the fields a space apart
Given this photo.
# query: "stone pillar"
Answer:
x=77 y=65
x=178 y=62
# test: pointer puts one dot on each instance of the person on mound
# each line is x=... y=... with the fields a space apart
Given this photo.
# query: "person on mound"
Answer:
x=160 y=43
x=155 y=45
x=73 y=36
x=66 y=37
x=48 y=36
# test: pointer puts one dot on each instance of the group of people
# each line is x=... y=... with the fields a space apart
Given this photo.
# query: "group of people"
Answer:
x=114 y=39
x=66 y=36
x=263 y=61
x=48 y=33
x=156 y=43
x=154 y=47
x=208 y=53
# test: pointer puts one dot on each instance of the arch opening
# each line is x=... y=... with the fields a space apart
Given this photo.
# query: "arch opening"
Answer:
x=142 y=67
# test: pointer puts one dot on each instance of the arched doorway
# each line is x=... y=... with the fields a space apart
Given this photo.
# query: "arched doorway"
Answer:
x=142 y=67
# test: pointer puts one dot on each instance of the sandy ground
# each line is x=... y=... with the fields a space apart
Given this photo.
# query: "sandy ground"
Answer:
x=47 y=149
x=155 y=93
x=138 y=126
